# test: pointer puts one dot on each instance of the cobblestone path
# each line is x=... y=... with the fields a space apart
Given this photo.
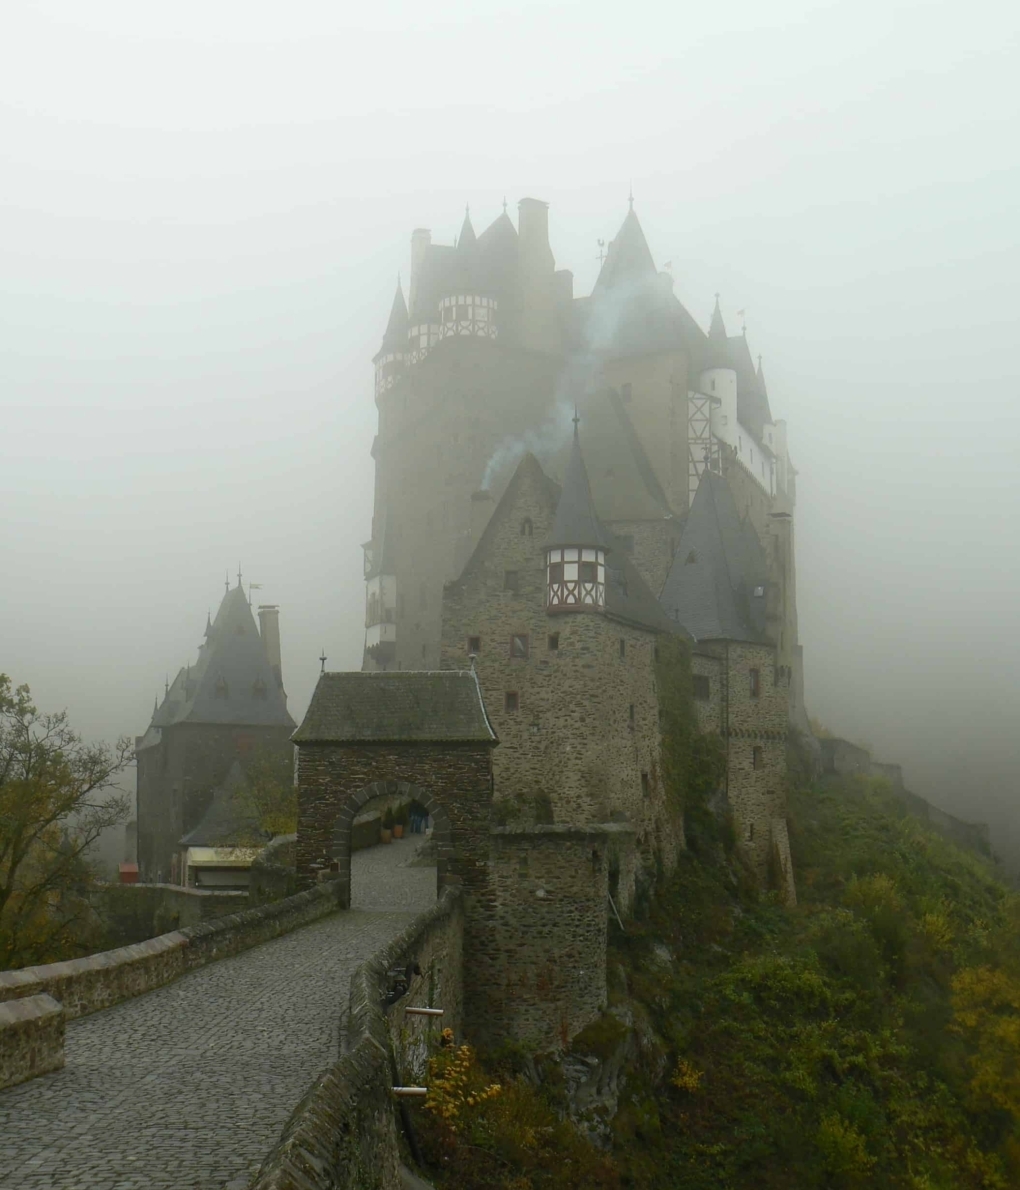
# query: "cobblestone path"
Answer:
x=191 y=1085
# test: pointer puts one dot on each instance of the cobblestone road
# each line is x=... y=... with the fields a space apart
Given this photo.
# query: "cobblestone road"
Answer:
x=190 y=1085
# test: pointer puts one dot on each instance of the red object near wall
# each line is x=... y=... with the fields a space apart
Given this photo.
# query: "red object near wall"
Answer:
x=129 y=873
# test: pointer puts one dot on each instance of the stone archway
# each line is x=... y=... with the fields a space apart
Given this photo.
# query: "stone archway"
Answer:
x=355 y=802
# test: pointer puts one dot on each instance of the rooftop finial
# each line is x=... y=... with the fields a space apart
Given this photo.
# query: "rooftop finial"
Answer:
x=226 y=581
x=576 y=420
x=239 y=574
x=630 y=196
x=504 y=204
x=323 y=658
x=166 y=685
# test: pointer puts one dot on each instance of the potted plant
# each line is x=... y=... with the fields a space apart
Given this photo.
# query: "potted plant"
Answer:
x=399 y=822
x=386 y=834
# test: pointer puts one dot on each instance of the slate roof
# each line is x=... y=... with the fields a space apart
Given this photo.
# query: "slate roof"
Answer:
x=395 y=335
x=228 y=821
x=576 y=522
x=628 y=596
x=718 y=566
x=442 y=706
x=752 y=401
x=717 y=347
x=632 y=308
x=233 y=656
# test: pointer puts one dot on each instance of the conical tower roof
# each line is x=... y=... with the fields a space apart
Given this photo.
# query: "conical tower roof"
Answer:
x=395 y=336
x=576 y=523
x=629 y=258
x=466 y=239
x=760 y=377
x=717 y=351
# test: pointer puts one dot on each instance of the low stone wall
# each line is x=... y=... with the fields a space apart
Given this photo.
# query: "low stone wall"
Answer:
x=101 y=980
x=31 y=1039
x=343 y=1135
x=135 y=912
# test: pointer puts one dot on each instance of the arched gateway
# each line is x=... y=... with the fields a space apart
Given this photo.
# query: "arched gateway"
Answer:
x=442 y=835
x=367 y=734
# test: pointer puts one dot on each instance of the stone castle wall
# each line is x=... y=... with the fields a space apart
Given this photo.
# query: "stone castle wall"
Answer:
x=584 y=737
x=543 y=958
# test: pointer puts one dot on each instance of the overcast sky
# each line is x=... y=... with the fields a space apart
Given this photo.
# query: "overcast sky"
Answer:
x=203 y=211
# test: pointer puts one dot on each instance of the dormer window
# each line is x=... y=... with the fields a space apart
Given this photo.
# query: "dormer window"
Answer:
x=259 y=690
x=221 y=690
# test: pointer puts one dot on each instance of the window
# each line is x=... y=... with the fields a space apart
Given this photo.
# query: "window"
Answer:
x=527 y=528
x=519 y=645
x=222 y=690
x=645 y=788
x=755 y=687
x=623 y=647
x=630 y=716
x=474 y=644
x=555 y=573
x=759 y=590
x=588 y=572
x=626 y=393
x=259 y=689
x=554 y=642
x=511 y=580
x=750 y=832
x=691 y=558
x=626 y=541
x=702 y=691
x=511 y=702
x=757 y=758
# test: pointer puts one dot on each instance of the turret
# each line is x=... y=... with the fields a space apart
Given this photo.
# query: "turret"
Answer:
x=719 y=380
x=576 y=549
x=389 y=359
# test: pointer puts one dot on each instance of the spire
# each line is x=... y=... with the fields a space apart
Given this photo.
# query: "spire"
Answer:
x=760 y=376
x=718 y=353
x=576 y=523
x=466 y=239
x=395 y=335
x=155 y=707
x=629 y=258
x=208 y=624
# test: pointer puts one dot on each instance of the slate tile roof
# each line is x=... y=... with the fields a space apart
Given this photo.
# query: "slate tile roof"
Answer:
x=441 y=706
x=716 y=586
x=228 y=821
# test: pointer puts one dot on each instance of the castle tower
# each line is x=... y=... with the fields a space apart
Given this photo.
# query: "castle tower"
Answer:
x=576 y=550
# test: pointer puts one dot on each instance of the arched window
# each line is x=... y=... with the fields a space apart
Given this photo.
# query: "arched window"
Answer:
x=527 y=528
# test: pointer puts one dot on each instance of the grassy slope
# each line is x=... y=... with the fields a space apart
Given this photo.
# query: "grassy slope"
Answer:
x=814 y=1047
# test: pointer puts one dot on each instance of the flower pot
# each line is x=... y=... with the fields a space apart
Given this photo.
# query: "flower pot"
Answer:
x=385 y=836
x=398 y=831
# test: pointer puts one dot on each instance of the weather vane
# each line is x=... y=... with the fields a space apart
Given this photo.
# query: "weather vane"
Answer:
x=322 y=658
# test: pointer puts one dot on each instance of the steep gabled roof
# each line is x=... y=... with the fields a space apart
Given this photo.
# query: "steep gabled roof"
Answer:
x=395 y=336
x=717 y=351
x=467 y=238
x=629 y=258
x=233 y=680
x=576 y=522
x=716 y=586
x=441 y=706
x=628 y=597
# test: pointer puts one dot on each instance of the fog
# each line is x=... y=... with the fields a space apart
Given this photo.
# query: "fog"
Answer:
x=204 y=212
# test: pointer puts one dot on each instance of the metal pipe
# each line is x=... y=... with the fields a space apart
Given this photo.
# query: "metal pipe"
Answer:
x=410 y=1008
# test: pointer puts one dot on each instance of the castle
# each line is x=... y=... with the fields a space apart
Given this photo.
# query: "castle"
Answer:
x=666 y=507
x=215 y=716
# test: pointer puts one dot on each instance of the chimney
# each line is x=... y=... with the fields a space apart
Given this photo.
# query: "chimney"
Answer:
x=540 y=329
x=421 y=239
x=269 y=628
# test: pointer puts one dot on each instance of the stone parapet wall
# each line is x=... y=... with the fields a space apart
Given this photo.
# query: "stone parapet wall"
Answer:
x=135 y=912
x=31 y=1039
x=343 y=1134
x=101 y=980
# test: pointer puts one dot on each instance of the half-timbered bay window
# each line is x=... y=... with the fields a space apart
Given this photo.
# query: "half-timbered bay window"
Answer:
x=467 y=314
x=576 y=577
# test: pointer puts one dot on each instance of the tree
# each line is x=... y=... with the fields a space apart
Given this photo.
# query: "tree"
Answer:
x=55 y=801
x=269 y=795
